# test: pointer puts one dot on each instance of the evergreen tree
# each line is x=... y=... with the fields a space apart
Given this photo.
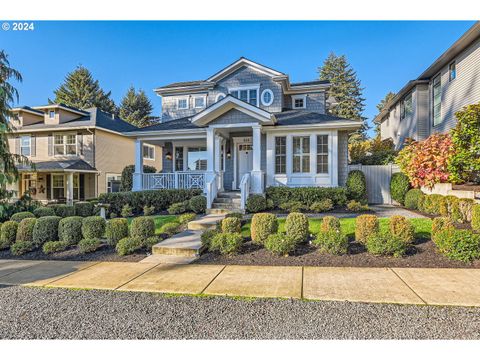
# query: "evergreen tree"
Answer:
x=346 y=89
x=136 y=108
x=390 y=95
x=82 y=91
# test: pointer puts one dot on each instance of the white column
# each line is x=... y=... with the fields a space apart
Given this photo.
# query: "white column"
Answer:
x=333 y=154
x=218 y=160
x=69 y=188
x=257 y=173
x=270 y=159
x=210 y=150
x=138 y=175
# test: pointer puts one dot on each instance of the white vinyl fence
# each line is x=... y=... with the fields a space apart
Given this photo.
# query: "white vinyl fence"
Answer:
x=378 y=181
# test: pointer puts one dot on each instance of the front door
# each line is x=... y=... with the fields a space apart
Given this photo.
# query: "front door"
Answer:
x=245 y=160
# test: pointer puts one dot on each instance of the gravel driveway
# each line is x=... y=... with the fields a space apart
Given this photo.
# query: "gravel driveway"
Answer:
x=31 y=313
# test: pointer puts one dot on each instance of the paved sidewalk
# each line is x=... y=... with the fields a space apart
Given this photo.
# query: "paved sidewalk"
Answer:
x=458 y=287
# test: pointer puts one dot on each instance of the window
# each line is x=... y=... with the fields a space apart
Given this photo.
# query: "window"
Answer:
x=51 y=114
x=25 y=145
x=437 y=100
x=76 y=186
x=301 y=154
x=197 y=158
x=322 y=154
x=65 y=144
x=113 y=182
x=406 y=107
x=179 y=158
x=199 y=102
x=299 y=101
x=280 y=155
x=182 y=104
x=267 y=97
x=249 y=95
x=58 y=186
x=220 y=96
x=148 y=152
x=452 y=71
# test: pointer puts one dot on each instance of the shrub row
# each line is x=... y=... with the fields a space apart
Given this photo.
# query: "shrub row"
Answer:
x=197 y=204
x=459 y=210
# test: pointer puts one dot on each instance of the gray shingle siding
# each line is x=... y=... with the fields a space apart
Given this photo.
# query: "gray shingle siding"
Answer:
x=342 y=157
x=315 y=102
x=233 y=116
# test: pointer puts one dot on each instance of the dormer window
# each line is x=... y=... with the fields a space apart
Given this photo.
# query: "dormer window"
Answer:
x=299 y=102
x=182 y=104
x=247 y=94
x=51 y=114
x=199 y=102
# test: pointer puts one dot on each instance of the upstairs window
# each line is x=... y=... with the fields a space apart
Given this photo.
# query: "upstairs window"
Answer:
x=51 y=114
x=299 y=102
x=452 y=71
x=406 y=108
x=437 y=100
x=267 y=97
x=25 y=145
x=199 y=102
x=65 y=144
x=148 y=152
x=249 y=95
x=182 y=104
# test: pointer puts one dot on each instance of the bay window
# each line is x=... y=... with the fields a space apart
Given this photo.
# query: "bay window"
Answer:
x=301 y=154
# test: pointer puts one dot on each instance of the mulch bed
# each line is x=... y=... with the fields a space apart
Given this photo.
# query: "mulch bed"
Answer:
x=104 y=253
x=423 y=255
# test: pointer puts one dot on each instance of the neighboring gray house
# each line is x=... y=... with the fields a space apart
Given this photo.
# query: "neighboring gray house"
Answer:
x=428 y=104
x=245 y=128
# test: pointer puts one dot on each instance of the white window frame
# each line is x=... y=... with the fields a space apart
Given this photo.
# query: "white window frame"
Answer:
x=450 y=78
x=64 y=135
x=218 y=96
x=110 y=175
x=29 y=137
x=302 y=154
x=255 y=87
x=58 y=187
x=439 y=77
x=276 y=155
x=152 y=147
x=299 y=97
x=403 y=109
x=327 y=153
x=204 y=98
x=186 y=98
x=268 y=103
x=50 y=113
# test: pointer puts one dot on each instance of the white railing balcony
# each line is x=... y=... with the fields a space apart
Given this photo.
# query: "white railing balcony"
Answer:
x=174 y=180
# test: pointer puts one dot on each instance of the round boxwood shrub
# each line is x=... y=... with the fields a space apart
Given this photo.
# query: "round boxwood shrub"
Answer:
x=51 y=247
x=142 y=227
x=280 y=244
x=412 y=198
x=322 y=206
x=331 y=241
x=84 y=208
x=25 y=230
x=256 y=203
x=207 y=237
x=386 y=244
x=63 y=210
x=402 y=228
x=366 y=225
x=44 y=211
x=22 y=247
x=330 y=223
x=263 y=225
x=127 y=211
x=440 y=224
x=296 y=226
x=128 y=245
x=357 y=186
x=476 y=217
x=178 y=208
x=463 y=245
x=21 y=215
x=115 y=230
x=186 y=218
x=46 y=229
x=226 y=243
x=70 y=230
x=89 y=245
x=170 y=228
x=8 y=234
x=399 y=186
x=198 y=204
x=293 y=206
x=231 y=225
x=93 y=227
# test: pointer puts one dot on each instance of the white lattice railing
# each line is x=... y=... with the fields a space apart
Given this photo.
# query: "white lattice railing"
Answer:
x=211 y=189
x=244 y=190
x=176 y=180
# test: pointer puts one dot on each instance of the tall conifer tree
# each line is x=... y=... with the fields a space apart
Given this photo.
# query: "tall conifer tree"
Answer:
x=136 y=108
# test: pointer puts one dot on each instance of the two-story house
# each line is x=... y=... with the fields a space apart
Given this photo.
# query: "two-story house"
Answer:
x=428 y=104
x=77 y=154
x=244 y=128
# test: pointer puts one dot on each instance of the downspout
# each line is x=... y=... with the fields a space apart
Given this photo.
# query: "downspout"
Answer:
x=94 y=160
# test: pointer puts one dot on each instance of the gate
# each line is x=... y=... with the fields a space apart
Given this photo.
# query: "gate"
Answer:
x=378 y=181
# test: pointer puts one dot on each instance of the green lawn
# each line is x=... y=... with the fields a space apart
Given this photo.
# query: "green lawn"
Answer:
x=160 y=220
x=422 y=226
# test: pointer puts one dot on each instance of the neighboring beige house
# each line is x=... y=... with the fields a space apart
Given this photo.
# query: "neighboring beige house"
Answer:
x=77 y=154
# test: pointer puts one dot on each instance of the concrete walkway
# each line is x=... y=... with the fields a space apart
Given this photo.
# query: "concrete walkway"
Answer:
x=459 y=287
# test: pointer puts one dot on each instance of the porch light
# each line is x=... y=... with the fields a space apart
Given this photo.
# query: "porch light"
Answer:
x=229 y=154
x=168 y=156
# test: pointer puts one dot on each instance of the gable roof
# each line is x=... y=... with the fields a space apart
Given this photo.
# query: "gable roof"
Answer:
x=302 y=117
x=241 y=63
x=29 y=110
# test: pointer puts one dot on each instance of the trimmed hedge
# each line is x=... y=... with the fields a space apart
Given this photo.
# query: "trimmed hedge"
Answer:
x=322 y=206
x=399 y=186
x=170 y=228
x=296 y=226
x=126 y=181
x=63 y=210
x=128 y=245
x=44 y=211
x=294 y=206
x=357 y=206
x=226 y=243
x=413 y=198
x=142 y=227
x=440 y=224
x=115 y=230
x=25 y=230
x=8 y=234
x=70 y=230
x=186 y=218
x=305 y=195
x=45 y=229
x=386 y=243
x=476 y=217
x=22 y=247
x=330 y=223
x=89 y=245
x=21 y=215
x=402 y=228
x=280 y=244
x=84 y=208
x=331 y=241
x=207 y=237
x=160 y=199
x=365 y=225
x=93 y=227
x=463 y=245
x=51 y=247
x=357 y=186
x=198 y=204
x=231 y=225
x=263 y=225
x=178 y=208
x=256 y=203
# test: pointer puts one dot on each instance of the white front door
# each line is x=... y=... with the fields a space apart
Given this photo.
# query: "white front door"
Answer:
x=245 y=160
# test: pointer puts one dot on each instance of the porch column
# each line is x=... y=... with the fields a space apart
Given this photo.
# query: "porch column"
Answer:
x=210 y=150
x=69 y=188
x=257 y=173
x=218 y=158
x=137 y=176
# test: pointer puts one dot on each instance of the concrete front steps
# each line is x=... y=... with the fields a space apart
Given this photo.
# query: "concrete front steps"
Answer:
x=226 y=202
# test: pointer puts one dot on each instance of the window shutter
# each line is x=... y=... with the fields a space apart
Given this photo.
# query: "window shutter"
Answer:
x=50 y=145
x=17 y=145
x=49 y=187
x=80 y=144
x=33 y=146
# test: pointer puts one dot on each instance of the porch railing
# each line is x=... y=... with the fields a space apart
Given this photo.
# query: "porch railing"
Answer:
x=244 y=190
x=211 y=189
x=175 y=180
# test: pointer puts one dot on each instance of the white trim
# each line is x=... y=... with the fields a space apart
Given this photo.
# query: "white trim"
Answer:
x=29 y=144
x=55 y=106
x=246 y=88
x=243 y=62
x=272 y=97
x=204 y=97
x=50 y=112
x=151 y=147
x=64 y=135
x=297 y=97
x=243 y=140
x=220 y=94
x=33 y=112
x=106 y=179
x=345 y=125
x=187 y=99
